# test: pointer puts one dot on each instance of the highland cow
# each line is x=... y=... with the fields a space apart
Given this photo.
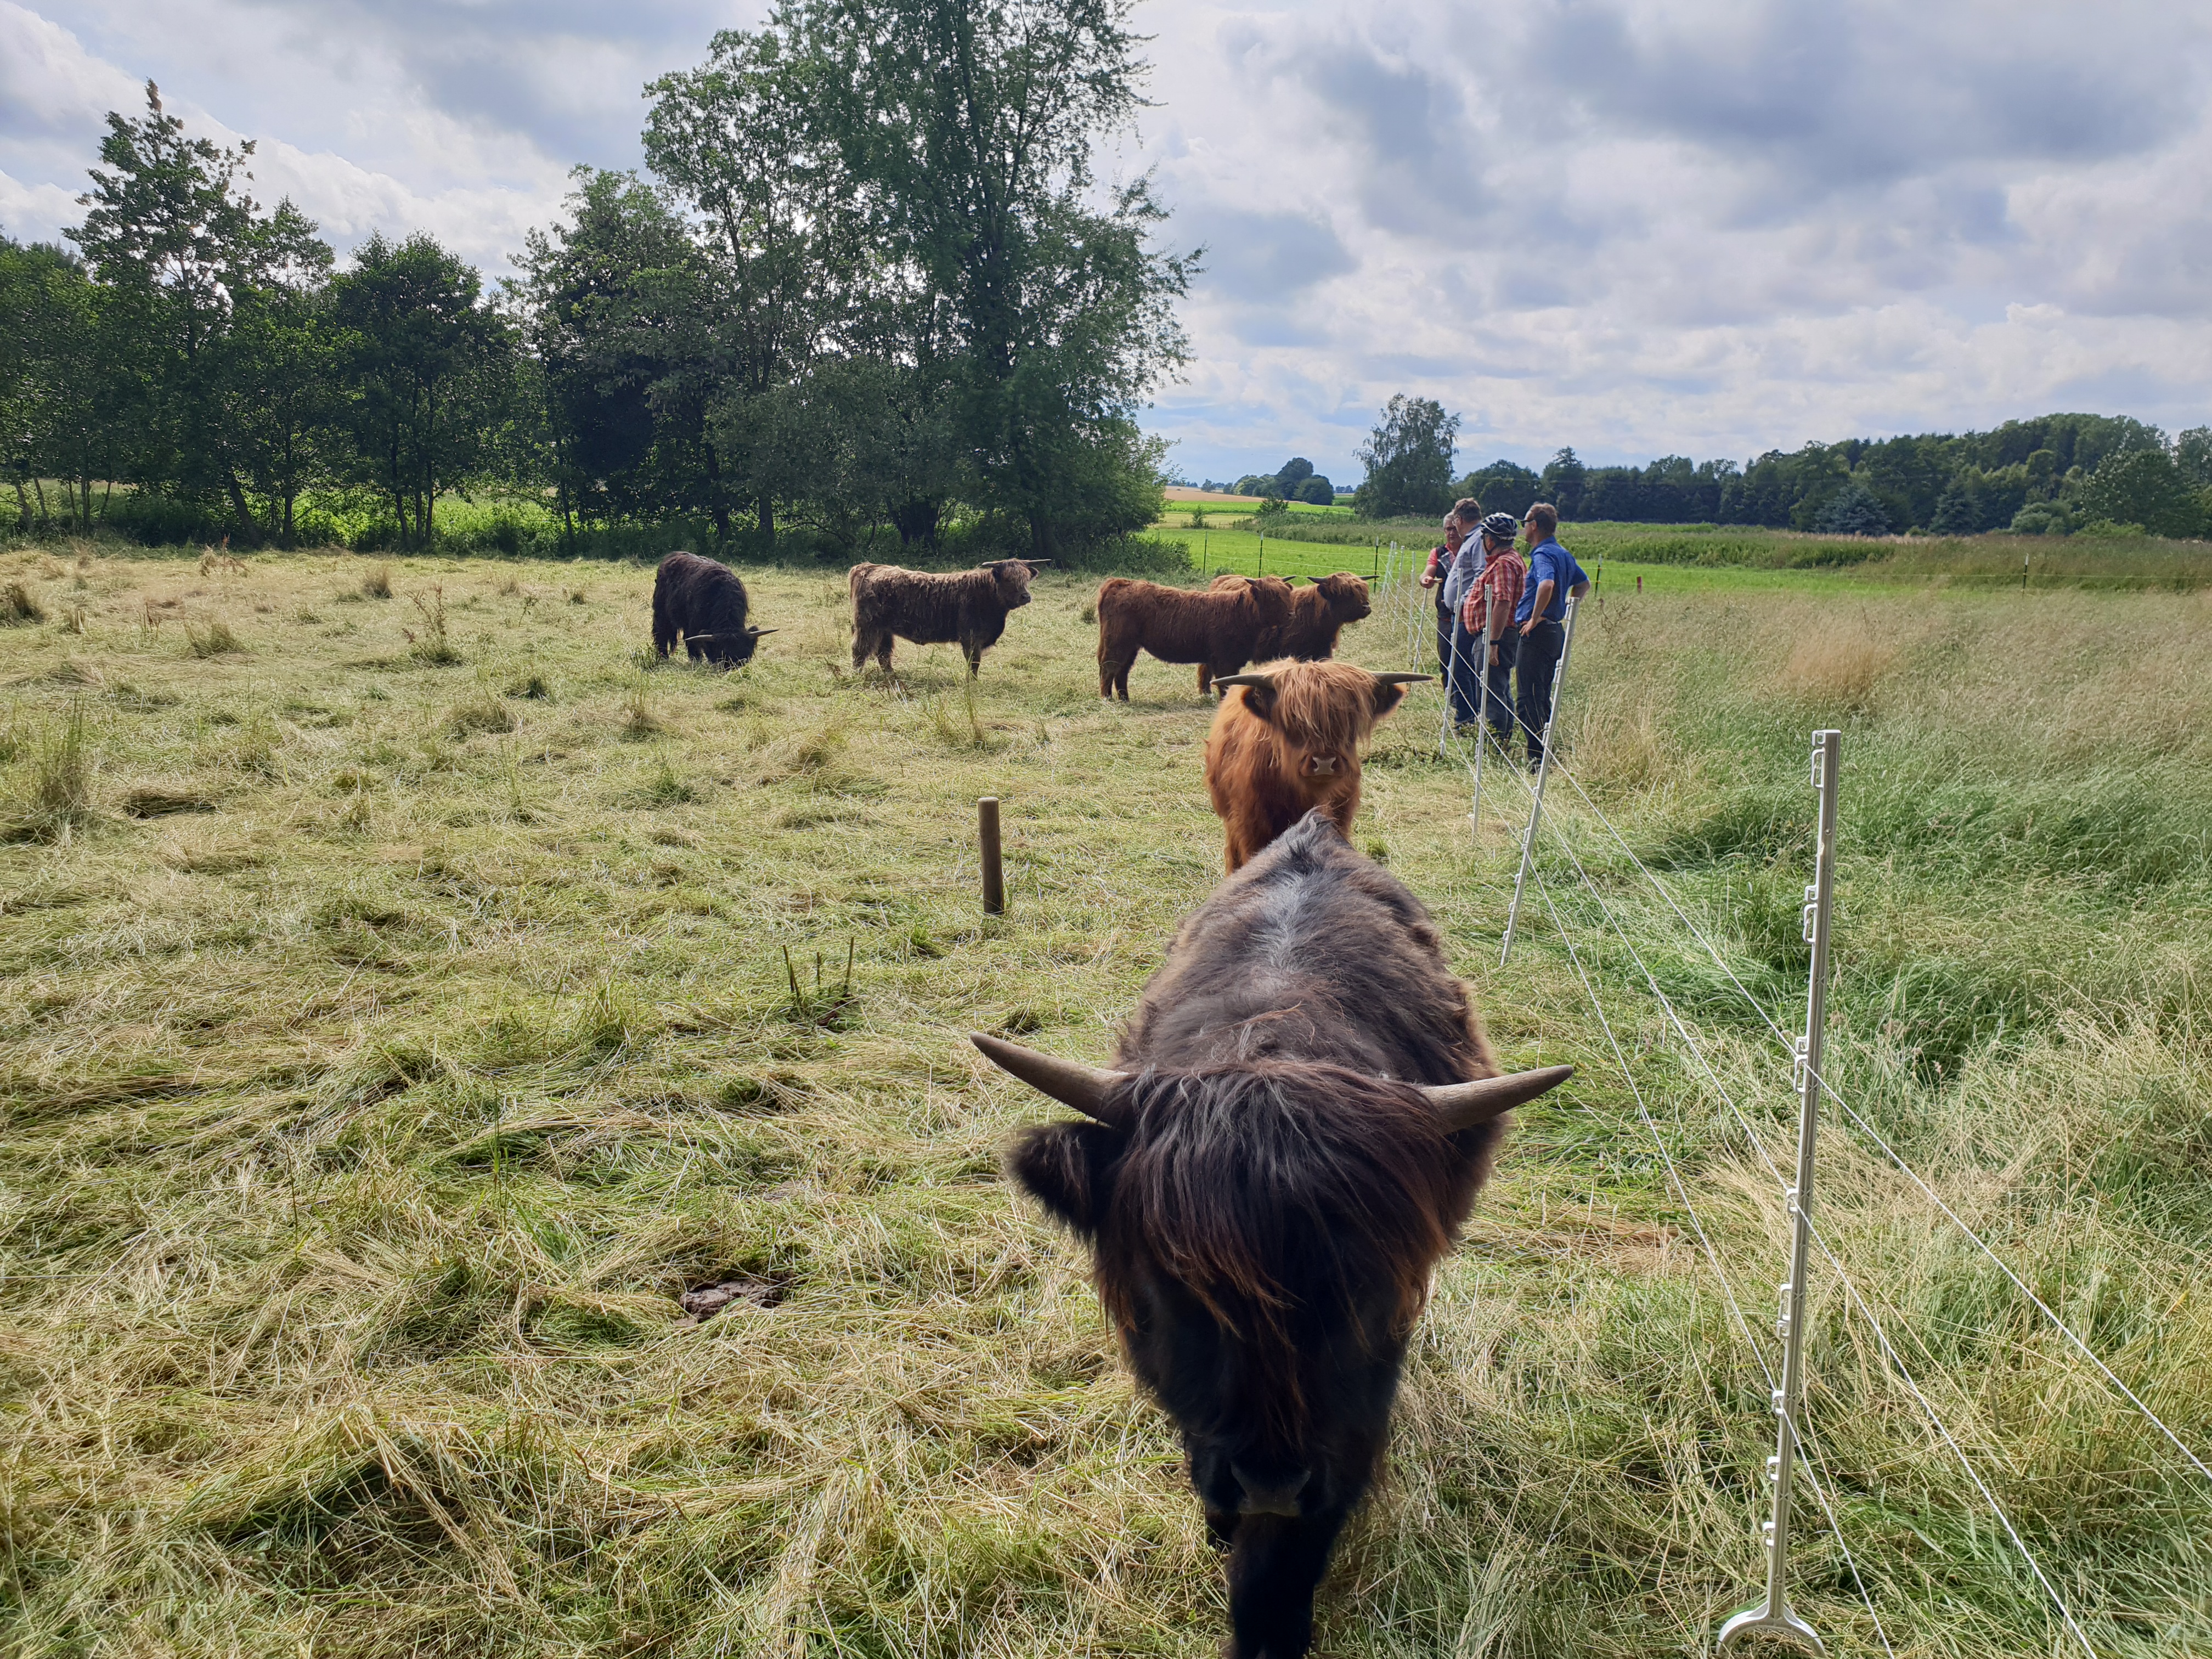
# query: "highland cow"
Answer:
x=1237 y=621
x=1299 y=1115
x=1286 y=741
x=706 y=603
x=1318 y=614
x=967 y=608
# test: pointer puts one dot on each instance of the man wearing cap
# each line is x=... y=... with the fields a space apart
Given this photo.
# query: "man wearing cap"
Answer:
x=1540 y=616
x=1489 y=610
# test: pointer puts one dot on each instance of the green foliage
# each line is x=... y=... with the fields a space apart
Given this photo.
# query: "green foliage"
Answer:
x=1855 y=510
x=1502 y=486
x=2146 y=487
x=1408 y=460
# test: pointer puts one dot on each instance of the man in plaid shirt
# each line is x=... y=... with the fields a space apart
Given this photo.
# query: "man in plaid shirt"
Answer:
x=1489 y=609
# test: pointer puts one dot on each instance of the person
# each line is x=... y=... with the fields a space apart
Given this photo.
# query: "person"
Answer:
x=1496 y=594
x=1552 y=575
x=1441 y=558
x=1463 y=669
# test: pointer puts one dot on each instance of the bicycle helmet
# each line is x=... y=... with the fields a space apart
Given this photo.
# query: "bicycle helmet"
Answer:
x=1501 y=526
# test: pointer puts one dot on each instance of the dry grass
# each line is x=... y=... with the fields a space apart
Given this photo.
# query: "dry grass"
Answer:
x=17 y=606
x=376 y=584
x=366 y=1135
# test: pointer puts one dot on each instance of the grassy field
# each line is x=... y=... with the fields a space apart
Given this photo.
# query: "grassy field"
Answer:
x=1314 y=546
x=412 y=995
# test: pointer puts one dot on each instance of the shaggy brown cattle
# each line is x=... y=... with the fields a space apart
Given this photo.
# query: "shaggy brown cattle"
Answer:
x=1319 y=613
x=1286 y=741
x=1235 y=621
x=967 y=608
x=1294 y=1132
x=705 y=603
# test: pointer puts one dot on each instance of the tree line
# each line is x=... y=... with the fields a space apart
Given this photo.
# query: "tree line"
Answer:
x=2052 y=475
x=868 y=281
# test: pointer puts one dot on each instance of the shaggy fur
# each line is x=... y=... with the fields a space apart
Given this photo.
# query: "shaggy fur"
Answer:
x=705 y=603
x=1319 y=613
x=967 y=608
x=1221 y=628
x=1278 y=752
x=1264 y=1234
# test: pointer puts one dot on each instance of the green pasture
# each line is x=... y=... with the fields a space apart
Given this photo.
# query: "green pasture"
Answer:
x=411 y=993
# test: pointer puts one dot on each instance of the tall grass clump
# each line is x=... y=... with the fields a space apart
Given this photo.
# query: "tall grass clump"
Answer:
x=433 y=647
x=215 y=640
x=53 y=789
x=376 y=584
x=18 y=606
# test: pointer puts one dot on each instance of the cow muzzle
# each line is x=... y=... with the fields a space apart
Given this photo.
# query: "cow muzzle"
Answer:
x=1321 y=766
x=1270 y=1492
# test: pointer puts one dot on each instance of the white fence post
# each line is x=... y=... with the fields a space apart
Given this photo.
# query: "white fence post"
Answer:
x=1543 y=771
x=1773 y=1615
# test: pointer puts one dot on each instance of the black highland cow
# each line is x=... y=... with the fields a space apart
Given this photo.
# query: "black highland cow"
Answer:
x=705 y=603
x=1302 y=1109
x=967 y=608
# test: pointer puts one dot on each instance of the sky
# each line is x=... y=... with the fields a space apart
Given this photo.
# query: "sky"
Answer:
x=1639 y=228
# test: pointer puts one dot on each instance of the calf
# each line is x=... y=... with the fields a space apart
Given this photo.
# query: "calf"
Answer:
x=1287 y=740
x=967 y=608
x=704 y=602
x=1319 y=613
x=1300 y=1113
x=1237 y=621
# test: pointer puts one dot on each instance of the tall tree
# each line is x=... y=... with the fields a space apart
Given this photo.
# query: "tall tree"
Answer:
x=1408 y=460
x=969 y=128
x=739 y=141
x=172 y=235
x=431 y=366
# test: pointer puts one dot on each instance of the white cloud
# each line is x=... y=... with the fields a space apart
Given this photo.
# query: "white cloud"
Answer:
x=1640 y=227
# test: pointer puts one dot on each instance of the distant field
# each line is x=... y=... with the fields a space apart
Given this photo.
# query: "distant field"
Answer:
x=1314 y=547
x=396 y=1021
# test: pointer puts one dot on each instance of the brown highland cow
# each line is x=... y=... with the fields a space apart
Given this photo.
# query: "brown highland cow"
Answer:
x=967 y=608
x=1319 y=613
x=1238 y=620
x=1286 y=741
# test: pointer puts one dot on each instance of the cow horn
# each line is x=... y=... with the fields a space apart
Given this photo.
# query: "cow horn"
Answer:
x=1404 y=679
x=763 y=633
x=1462 y=1105
x=1067 y=1081
x=1251 y=679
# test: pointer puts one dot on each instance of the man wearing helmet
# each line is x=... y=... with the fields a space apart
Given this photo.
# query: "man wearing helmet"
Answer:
x=1488 y=611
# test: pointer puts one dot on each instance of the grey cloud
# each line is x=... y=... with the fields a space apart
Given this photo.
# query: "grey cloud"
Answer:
x=1267 y=256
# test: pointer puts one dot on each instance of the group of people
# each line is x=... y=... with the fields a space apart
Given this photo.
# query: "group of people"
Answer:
x=1501 y=619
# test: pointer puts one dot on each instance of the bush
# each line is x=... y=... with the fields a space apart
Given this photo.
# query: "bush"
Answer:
x=1856 y=510
x=2043 y=518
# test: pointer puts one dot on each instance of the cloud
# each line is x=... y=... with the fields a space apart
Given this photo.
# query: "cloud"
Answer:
x=1640 y=227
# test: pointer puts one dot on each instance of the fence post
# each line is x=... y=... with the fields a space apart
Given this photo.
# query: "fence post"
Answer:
x=1773 y=1615
x=986 y=835
x=1543 y=771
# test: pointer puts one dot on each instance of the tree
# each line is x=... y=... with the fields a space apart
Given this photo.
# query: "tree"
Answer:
x=1408 y=460
x=968 y=128
x=1562 y=484
x=2192 y=453
x=65 y=399
x=2143 y=487
x=739 y=140
x=1502 y=486
x=1318 y=490
x=431 y=366
x=1855 y=510
x=172 y=235
x=1292 y=475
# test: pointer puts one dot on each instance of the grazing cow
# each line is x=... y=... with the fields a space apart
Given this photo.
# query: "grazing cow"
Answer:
x=1237 y=621
x=706 y=603
x=967 y=608
x=1287 y=740
x=1300 y=1112
x=1319 y=613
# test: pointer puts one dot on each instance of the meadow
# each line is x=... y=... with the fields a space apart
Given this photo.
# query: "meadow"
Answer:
x=416 y=997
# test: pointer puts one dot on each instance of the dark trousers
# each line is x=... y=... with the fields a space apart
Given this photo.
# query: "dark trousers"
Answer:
x=1539 y=664
x=1443 y=633
x=1498 y=685
x=1463 y=674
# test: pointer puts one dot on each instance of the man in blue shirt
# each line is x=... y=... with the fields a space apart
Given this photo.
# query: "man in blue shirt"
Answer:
x=1552 y=575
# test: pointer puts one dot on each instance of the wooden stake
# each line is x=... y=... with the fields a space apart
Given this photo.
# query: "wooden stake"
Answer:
x=986 y=831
